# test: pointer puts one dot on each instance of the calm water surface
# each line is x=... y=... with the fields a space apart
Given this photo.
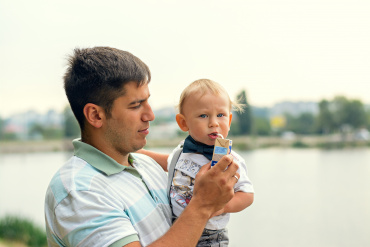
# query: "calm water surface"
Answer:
x=303 y=197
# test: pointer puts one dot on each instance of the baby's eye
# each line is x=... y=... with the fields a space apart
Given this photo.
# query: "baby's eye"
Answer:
x=203 y=116
x=220 y=115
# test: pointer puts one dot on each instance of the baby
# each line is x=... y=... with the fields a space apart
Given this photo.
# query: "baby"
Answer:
x=205 y=113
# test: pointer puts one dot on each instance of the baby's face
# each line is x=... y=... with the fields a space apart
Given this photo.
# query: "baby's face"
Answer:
x=206 y=116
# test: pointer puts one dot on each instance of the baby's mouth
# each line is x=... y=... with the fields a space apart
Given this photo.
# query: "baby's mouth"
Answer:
x=213 y=135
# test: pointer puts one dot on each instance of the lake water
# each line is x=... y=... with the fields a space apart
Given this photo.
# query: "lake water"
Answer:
x=304 y=197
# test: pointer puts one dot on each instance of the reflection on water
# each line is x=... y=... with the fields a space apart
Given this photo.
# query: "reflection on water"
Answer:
x=303 y=197
x=306 y=198
x=23 y=182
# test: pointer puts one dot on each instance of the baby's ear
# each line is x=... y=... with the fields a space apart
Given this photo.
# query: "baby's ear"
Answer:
x=180 y=119
x=230 y=118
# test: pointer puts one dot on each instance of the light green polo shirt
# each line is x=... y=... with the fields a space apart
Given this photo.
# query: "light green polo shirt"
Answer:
x=94 y=201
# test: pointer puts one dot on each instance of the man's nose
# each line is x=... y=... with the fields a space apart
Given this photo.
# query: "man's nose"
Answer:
x=148 y=114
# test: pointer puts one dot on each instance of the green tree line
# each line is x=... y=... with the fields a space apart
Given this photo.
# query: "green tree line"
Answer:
x=335 y=116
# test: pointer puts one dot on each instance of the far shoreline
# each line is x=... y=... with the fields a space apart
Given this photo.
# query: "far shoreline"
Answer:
x=241 y=143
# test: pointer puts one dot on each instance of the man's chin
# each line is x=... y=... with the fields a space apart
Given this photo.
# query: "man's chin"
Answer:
x=139 y=146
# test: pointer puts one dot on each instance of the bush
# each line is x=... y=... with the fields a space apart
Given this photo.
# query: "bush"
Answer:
x=23 y=230
x=299 y=144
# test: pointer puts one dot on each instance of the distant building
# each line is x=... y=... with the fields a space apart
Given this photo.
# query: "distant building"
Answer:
x=166 y=112
x=294 y=108
x=169 y=130
x=53 y=119
x=20 y=124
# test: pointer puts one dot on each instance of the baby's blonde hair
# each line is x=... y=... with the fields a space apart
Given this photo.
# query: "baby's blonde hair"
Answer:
x=204 y=86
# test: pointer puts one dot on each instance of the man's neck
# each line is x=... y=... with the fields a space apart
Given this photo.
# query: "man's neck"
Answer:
x=107 y=149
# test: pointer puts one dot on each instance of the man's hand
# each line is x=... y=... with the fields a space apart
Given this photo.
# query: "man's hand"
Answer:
x=214 y=187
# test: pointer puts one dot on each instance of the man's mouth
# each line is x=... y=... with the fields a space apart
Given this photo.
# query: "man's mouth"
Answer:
x=144 y=131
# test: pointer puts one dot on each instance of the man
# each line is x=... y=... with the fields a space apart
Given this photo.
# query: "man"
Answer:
x=107 y=195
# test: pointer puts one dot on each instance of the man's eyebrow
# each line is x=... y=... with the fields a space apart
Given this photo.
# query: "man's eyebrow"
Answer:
x=138 y=101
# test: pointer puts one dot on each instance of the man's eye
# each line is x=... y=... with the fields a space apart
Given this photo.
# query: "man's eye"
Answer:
x=136 y=106
x=220 y=115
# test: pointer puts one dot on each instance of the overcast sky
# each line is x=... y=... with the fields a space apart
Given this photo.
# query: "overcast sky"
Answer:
x=275 y=50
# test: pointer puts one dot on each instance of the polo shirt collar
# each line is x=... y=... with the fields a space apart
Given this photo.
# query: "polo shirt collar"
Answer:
x=98 y=159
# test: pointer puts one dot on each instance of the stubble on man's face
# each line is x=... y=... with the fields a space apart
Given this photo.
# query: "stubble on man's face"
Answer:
x=128 y=124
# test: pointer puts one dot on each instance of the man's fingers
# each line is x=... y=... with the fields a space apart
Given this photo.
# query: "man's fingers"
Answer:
x=236 y=177
x=224 y=162
x=228 y=168
x=204 y=168
x=231 y=166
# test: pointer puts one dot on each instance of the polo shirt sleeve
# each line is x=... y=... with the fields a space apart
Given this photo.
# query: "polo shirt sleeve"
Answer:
x=88 y=218
x=124 y=241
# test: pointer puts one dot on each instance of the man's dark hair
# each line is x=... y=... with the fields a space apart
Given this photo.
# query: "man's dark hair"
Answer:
x=97 y=75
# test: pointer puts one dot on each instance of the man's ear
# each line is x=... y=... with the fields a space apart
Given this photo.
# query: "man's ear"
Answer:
x=230 y=118
x=180 y=119
x=94 y=115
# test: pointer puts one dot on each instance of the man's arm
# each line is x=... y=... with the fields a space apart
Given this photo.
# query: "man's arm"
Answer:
x=213 y=189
